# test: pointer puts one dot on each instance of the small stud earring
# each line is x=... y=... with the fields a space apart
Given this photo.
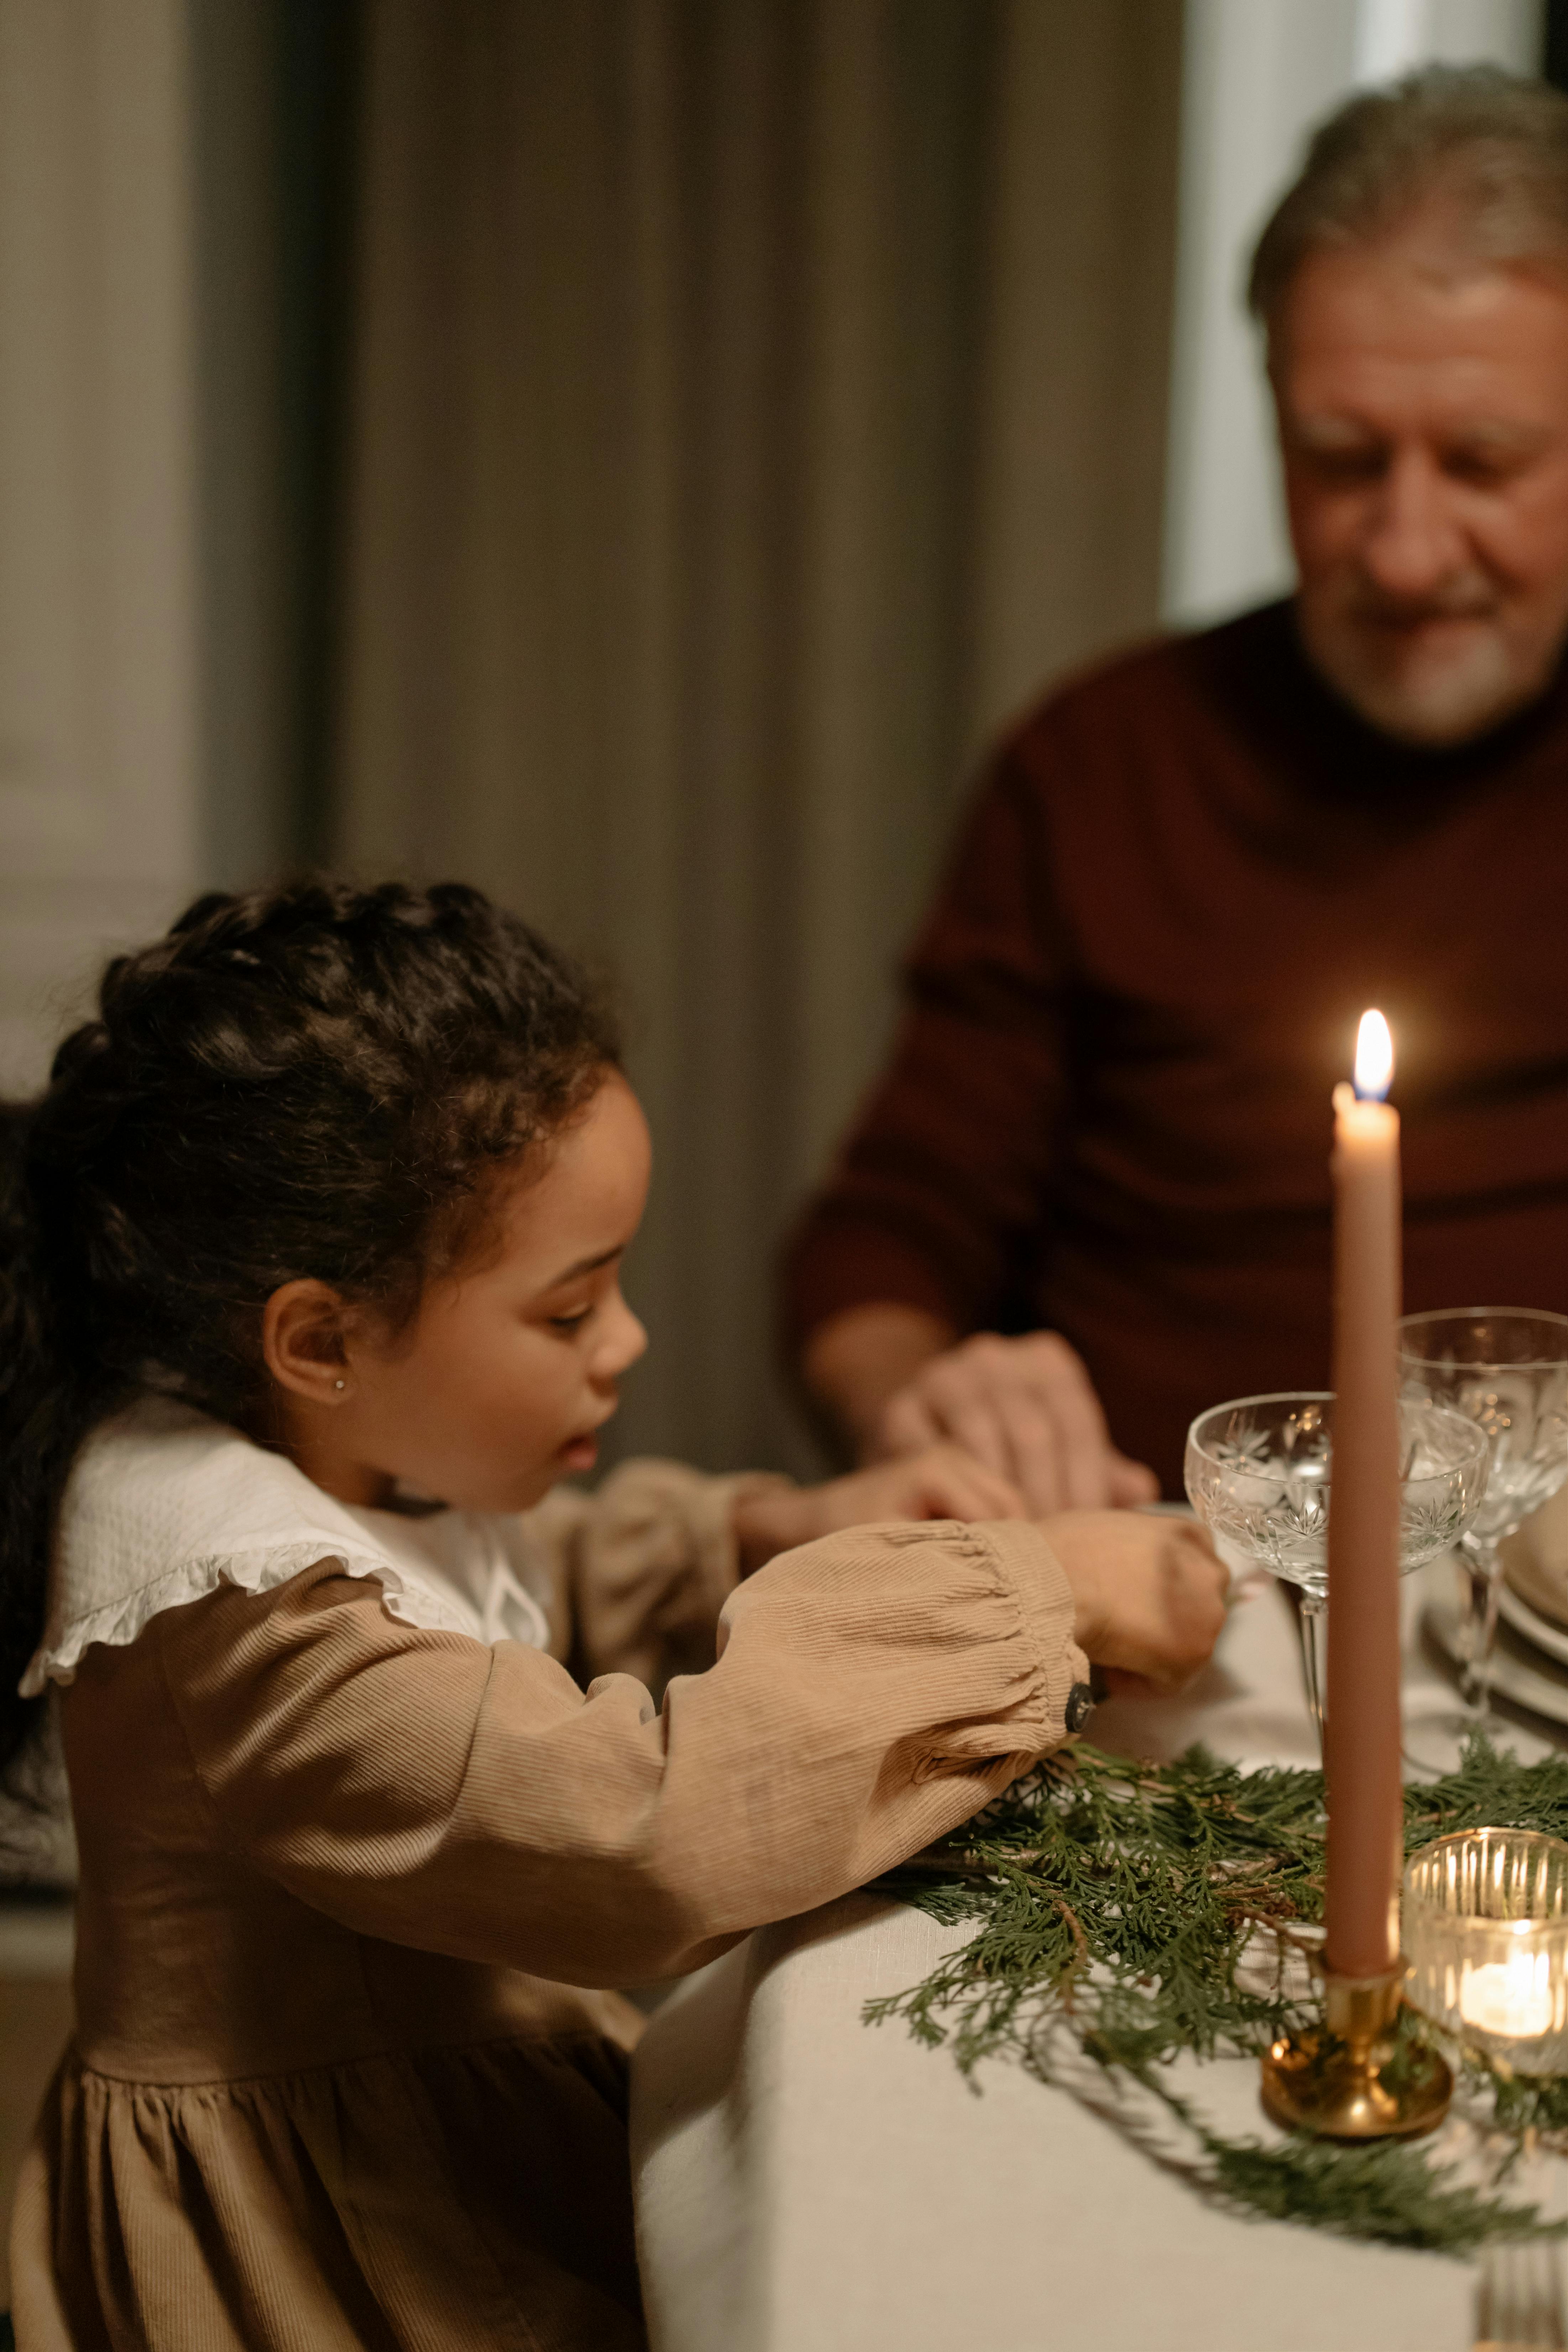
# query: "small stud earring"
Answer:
x=338 y=1384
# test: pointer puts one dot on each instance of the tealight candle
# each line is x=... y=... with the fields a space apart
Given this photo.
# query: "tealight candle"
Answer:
x=1509 y=1998
x=1486 y=1932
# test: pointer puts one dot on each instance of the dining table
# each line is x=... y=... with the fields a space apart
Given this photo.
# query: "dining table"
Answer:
x=808 y=2182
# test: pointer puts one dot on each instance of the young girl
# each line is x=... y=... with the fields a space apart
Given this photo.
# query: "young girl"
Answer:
x=312 y=1293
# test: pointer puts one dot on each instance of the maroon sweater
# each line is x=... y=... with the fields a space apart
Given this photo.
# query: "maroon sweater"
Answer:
x=1107 y=1110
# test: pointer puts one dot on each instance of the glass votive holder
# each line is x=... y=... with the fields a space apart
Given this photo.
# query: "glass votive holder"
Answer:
x=1485 y=1929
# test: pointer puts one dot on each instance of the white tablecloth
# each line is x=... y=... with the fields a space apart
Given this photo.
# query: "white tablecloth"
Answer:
x=809 y=2184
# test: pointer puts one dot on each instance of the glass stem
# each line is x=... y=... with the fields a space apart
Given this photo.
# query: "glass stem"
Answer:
x=1481 y=1565
x=1309 y=1619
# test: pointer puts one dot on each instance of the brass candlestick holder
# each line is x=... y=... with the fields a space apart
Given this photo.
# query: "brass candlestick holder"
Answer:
x=1340 y=2080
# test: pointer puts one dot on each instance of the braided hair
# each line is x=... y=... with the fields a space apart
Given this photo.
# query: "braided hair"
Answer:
x=309 y=1081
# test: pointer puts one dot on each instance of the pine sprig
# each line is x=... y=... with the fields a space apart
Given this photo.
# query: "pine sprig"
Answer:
x=1134 y=1913
x=1386 y=2190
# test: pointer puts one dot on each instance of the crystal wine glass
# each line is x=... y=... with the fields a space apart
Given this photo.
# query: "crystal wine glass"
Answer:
x=1258 y=1474
x=1507 y=1370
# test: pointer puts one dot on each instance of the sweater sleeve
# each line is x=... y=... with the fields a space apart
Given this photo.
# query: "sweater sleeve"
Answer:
x=938 y=1196
x=872 y=1690
x=641 y=1569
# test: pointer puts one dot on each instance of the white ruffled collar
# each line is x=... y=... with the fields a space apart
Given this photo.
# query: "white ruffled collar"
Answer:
x=164 y=1505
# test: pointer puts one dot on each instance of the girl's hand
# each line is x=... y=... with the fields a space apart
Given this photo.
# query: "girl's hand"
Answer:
x=941 y=1482
x=1150 y=1593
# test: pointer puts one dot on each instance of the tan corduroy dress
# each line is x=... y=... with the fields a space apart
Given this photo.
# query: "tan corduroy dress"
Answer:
x=331 y=2085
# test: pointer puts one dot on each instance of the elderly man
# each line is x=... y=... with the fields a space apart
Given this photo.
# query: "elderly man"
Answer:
x=1105 y=1125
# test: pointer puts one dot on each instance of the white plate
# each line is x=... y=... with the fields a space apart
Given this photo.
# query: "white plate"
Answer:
x=1535 y=1562
x=1515 y=1611
x=1513 y=1677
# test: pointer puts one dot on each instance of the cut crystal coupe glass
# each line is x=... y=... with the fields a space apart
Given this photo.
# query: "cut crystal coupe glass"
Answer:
x=1505 y=1368
x=1259 y=1476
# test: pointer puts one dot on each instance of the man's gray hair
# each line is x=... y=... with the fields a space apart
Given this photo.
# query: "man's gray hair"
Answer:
x=1490 y=147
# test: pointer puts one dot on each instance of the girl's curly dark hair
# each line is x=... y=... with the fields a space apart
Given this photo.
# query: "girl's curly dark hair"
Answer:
x=307 y=1081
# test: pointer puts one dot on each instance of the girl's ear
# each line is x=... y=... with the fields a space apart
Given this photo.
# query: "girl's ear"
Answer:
x=303 y=1334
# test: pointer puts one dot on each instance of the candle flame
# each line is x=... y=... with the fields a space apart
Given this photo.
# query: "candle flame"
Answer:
x=1374 y=1057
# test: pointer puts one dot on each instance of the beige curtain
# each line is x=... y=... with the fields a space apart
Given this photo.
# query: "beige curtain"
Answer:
x=754 y=400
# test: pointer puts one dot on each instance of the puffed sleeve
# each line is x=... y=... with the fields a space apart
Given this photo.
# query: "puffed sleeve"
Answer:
x=641 y=1569
x=872 y=1690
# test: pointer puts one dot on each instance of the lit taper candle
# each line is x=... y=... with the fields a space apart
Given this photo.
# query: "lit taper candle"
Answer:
x=1362 y=1736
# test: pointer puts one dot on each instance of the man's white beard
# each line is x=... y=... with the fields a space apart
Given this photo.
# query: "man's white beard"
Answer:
x=1435 y=701
x=1440 y=702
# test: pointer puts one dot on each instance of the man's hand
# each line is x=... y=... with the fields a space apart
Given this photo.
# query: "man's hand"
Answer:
x=1025 y=1409
x=1148 y=1595
x=940 y=1482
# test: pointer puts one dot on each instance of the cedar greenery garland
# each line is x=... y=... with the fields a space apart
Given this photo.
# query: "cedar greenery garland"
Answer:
x=1131 y=1913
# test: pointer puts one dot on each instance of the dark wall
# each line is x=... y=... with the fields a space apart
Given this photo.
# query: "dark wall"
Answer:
x=276 y=109
x=1555 y=63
